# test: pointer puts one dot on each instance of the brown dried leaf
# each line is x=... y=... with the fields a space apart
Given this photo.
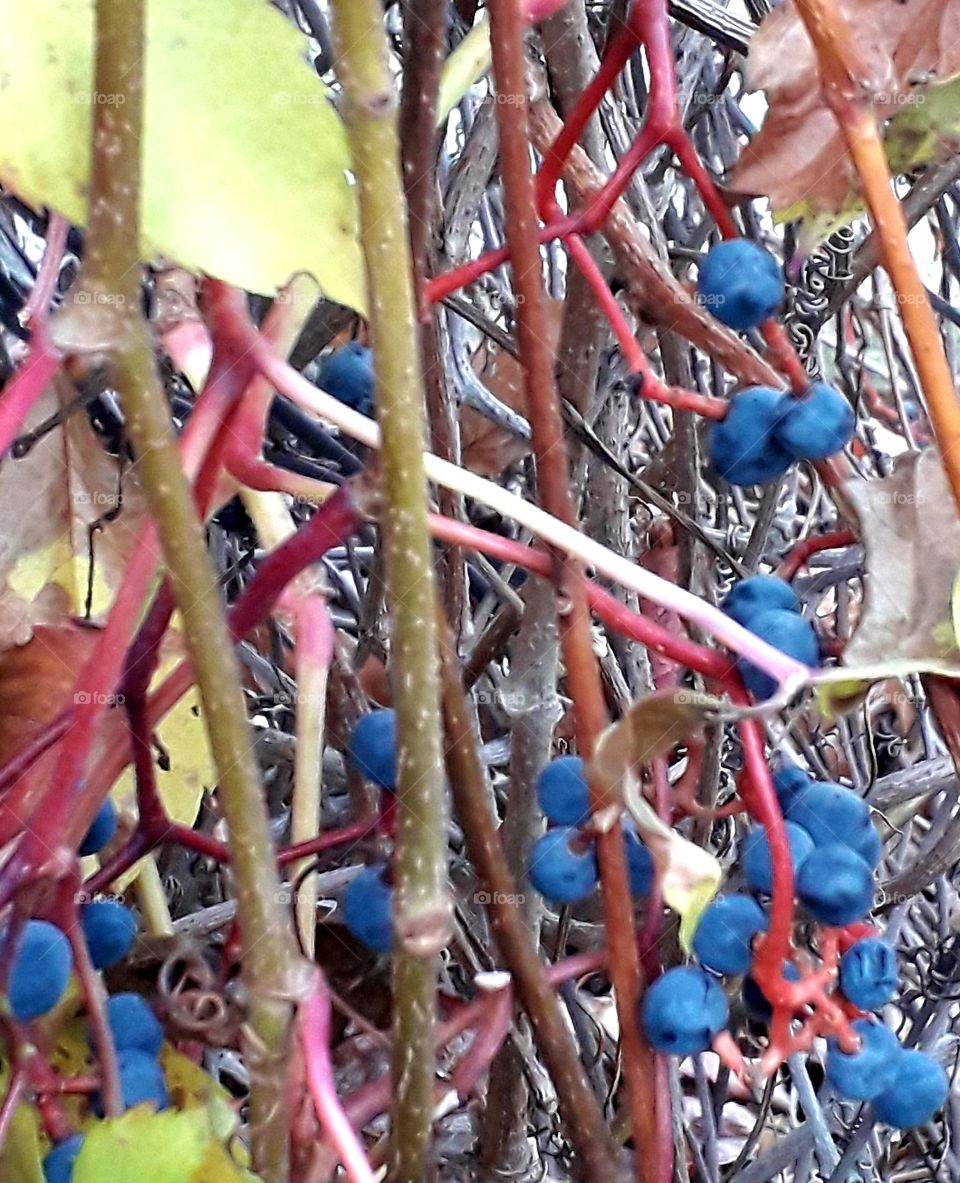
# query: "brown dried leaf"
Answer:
x=911 y=532
x=799 y=157
x=49 y=499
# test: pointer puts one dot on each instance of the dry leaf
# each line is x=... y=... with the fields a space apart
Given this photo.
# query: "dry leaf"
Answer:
x=799 y=158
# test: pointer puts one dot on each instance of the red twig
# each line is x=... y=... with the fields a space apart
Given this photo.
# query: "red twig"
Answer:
x=810 y=546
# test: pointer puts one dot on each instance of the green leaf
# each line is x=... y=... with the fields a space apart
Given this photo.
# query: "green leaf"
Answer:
x=466 y=65
x=926 y=128
x=21 y=1154
x=168 y=1147
x=245 y=160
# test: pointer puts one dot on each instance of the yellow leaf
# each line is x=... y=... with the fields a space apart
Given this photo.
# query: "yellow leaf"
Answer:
x=466 y=65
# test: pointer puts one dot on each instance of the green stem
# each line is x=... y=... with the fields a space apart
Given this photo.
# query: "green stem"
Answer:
x=108 y=314
x=421 y=907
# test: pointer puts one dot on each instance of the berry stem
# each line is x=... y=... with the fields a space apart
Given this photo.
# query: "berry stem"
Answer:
x=835 y=44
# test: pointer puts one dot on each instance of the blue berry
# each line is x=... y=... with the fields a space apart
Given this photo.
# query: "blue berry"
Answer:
x=40 y=972
x=102 y=829
x=757 y=866
x=741 y=283
x=561 y=868
x=760 y=593
x=134 y=1025
x=373 y=748
x=788 y=780
x=816 y=424
x=868 y=973
x=835 y=885
x=368 y=909
x=639 y=862
x=754 y=998
x=109 y=928
x=832 y=814
x=866 y=1073
x=789 y=633
x=683 y=1011
x=918 y=1091
x=725 y=932
x=141 y=1082
x=562 y=792
x=742 y=445
x=347 y=374
x=58 y=1164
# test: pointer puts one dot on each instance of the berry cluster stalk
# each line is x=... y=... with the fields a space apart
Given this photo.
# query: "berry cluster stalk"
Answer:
x=421 y=907
x=112 y=270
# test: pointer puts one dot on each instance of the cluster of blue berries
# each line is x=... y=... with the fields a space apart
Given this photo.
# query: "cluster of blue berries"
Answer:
x=834 y=849
x=769 y=608
x=563 y=862
x=368 y=900
x=765 y=430
x=40 y=969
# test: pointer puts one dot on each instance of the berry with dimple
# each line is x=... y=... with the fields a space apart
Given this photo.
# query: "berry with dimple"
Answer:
x=683 y=1011
x=832 y=815
x=40 y=971
x=368 y=909
x=868 y=973
x=759 y=593
x=835 y=885
x=102 y=829
x=788 y=781
x=134 y=1025
x=742 y=445
x=816 y=424
x=347 y=374
x=919 y=1089
x=868 y=1072
x=757 y=865
x=741 y=283
x=562 y=791
x=754 y=998
x=789 y=633
x=725 y=933
x=373 y=748
x=563 y=867
x=639 y=862
x=141 y=1082
x=58 y=1164
x=109 y=928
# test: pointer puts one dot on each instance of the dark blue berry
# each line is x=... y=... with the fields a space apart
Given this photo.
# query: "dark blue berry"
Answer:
x=58 y=1164
x=109 y=928
x=40 y=972
x=868 y=973
x=740 y=283
x=759 y=593
x=683 y=1011
x=562 y=867
x=368 y=909
x=373 y=748
x=789 y=633
x=919 y=1089
x=742 y=446
x=141 y=1082
x=562 y=792
x=134 y=1025
x=788 y=780
x=347 y=374
x=757 y=866
x=639 y=862
x=817 y=424
x=866 y=1073
x=726 y=930
x=835 y=885
x=102 y=829
x=832 y=814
